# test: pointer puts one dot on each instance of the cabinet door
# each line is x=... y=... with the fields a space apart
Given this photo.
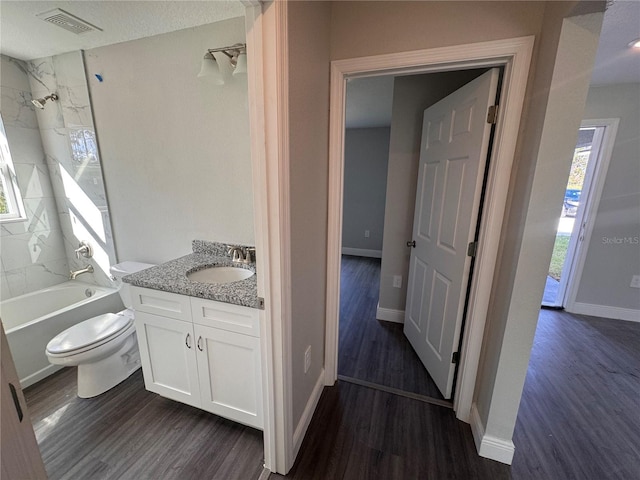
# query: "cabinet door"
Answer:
x=230 y=376
x=167 y=352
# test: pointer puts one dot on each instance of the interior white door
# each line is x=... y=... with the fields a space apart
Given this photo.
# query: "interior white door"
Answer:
x=453 y=155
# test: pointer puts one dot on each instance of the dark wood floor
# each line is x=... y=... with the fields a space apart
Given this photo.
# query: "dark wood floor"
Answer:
x=580 y=411
x=129 y=433
x=373 y=350
x=578 y=418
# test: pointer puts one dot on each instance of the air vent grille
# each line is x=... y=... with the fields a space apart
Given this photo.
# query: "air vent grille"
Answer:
x=67 y=21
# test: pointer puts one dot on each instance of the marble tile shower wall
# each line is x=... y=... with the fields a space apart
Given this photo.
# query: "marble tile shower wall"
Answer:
x=32 y=252
x=69 y=141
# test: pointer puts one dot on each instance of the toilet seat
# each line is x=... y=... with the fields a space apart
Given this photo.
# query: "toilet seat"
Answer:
x=90 y=334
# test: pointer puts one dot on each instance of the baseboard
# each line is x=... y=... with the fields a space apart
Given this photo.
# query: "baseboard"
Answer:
x=389 y=315
x=39 y=375
x=362 y=252
x=266 y=473
x=487 y=446
x=615 y=313
x=305 y=420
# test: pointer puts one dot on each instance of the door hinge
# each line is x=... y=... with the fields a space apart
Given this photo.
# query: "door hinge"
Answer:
x=492 y=114
x=472 y=248
x=261 y=303
x=454 y=357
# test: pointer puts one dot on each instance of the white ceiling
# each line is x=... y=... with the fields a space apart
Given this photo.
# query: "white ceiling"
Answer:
x=615 y=61
x=25 y=36
x=369 y=100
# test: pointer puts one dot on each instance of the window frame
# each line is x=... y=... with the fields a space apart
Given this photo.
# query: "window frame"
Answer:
x=9 y=180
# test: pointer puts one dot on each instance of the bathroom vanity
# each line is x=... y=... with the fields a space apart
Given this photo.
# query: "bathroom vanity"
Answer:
x=200 y=342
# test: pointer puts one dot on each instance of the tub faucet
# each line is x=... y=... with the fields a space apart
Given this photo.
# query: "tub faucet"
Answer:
x=74 y=274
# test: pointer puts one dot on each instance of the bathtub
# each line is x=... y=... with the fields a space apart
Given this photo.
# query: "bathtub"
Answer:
x=31 y=320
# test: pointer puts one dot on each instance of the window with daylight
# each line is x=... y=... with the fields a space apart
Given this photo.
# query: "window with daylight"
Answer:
x=11 y=206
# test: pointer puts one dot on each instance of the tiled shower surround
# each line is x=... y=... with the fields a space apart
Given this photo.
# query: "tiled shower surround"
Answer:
x=62 y=138
x=32 y=251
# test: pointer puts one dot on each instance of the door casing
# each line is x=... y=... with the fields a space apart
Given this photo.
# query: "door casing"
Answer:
x=515 y=56
x=596 y=185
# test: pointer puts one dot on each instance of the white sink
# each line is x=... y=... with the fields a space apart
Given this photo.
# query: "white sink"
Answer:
x=220 y=275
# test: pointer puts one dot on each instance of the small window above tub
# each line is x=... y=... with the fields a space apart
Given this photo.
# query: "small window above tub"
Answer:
x=11 y=205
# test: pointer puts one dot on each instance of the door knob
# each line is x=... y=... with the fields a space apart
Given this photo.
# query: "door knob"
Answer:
x=412 y=243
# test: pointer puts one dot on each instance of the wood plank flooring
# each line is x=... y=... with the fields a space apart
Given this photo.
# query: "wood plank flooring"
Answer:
x=579 y=415
x=578 y=418
x=130 y=433
x=372 y=350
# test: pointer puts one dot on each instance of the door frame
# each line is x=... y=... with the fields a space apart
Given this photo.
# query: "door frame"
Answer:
x=595 y=187
x=515 y=56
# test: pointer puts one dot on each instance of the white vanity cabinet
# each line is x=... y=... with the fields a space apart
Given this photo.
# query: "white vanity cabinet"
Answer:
x=201 y=352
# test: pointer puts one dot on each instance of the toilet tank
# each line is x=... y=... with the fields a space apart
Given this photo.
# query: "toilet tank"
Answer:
x=122 y=269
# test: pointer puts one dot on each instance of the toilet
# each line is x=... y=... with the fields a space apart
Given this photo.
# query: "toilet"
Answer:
x=105 y=347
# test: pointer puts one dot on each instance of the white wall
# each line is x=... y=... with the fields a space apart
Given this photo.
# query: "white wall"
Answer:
x=611 y=263
x=175 y=148
x=366 y=155
x=556 y=96
x=309 y=144
x=411 y=96
x=32 y=251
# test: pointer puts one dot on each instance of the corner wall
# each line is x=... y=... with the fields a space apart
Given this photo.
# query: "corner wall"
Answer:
x=556 y=96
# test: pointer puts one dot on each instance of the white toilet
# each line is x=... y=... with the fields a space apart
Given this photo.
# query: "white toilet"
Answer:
x=105 y=347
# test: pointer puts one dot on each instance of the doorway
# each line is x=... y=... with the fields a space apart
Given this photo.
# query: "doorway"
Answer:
x=514 y=55
x=579 y=205
x=382 y=151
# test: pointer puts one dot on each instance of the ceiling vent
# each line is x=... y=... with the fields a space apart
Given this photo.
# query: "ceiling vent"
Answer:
x=67 y=21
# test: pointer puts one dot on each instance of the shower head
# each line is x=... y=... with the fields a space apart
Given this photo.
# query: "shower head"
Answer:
x=39 y=102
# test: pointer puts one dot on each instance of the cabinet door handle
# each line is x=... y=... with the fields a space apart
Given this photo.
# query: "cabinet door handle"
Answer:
x=200 y=343
x=187 y=341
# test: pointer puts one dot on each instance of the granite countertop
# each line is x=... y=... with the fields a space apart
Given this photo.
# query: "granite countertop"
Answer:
x=172 y=276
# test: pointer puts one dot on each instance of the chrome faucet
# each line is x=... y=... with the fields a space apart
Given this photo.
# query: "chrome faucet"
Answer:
x=74 y=274
x=240 y=254
x=236 y=253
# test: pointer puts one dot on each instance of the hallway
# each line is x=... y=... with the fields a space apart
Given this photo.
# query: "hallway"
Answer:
x=578 y=416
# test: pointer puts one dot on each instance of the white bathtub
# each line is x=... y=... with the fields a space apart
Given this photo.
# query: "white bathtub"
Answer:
x=31 y=320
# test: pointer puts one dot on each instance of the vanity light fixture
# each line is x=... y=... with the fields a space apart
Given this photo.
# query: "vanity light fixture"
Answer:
x=237 y=57
x=40 y=102
x=635 y=44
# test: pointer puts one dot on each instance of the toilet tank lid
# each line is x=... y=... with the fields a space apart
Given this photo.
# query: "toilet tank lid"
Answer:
x=125 y=268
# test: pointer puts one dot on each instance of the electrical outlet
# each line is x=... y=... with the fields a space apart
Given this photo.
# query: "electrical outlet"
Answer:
x=635 y=281
x=366 y=234
x=307 y=359
x=397 y=281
